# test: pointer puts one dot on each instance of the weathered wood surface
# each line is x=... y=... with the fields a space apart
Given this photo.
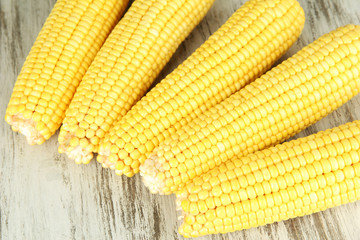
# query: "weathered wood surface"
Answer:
x=43 y=195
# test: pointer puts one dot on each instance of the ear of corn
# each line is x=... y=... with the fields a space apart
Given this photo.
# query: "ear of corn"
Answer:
x=131 y=58
x=293 y=179
x=281 y=103
x=241 y=50
x=68 y=42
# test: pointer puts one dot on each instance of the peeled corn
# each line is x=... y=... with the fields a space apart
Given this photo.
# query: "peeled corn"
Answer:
x=284 y=101
x=293 y=179
x=131 y=58
x=67 y=44
x=241 y=50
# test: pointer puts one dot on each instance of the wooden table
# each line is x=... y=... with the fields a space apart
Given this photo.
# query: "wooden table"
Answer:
x=46 y=196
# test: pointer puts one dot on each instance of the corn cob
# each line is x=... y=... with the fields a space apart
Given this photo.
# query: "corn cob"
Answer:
x=293 y=179
x=131 y=58
x=68 y=42
x=242 y=49
x=281 y=103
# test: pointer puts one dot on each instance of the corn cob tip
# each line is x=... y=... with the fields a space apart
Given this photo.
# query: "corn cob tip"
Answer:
x=27 y=127
x=149 y=171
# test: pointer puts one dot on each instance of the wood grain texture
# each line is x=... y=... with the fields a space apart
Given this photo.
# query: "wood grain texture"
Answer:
x=43 y=195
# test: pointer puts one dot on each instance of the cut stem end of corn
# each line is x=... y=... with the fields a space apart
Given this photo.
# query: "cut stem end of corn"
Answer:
x=77 y=153
x=80 y=155
x=149 y=172
x=103 y=157
x=27 y=127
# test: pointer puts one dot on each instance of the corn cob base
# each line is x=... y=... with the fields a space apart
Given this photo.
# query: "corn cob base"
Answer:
x=26 y=127
x=75 y=152
x=149 y=173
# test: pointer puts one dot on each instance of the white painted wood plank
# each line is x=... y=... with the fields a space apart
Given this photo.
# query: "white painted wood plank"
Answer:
x=43 y=195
